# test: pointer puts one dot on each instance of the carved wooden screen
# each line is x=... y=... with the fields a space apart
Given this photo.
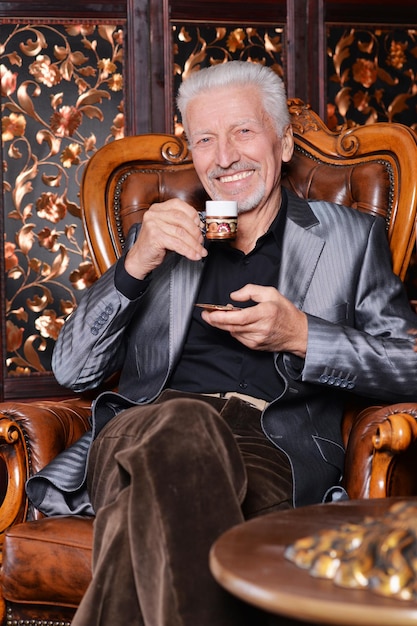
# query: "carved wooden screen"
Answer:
x=61 y=99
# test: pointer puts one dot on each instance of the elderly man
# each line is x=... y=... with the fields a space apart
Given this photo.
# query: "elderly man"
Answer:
x=225 y=415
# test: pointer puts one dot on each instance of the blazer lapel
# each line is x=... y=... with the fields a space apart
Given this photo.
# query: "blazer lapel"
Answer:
x=184 y=283
x=301 y=251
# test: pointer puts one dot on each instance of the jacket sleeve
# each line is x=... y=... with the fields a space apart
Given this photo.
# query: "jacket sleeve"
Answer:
x=91 y=345
x=375 y=355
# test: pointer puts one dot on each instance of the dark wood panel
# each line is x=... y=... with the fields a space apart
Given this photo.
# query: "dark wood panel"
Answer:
x=76 y=9
x=401 y=12
x=231 y=11
x=148 y=66
x=35 y=386
x=304 y=50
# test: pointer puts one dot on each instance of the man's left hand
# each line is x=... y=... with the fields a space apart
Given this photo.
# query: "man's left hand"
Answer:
x=273 y=323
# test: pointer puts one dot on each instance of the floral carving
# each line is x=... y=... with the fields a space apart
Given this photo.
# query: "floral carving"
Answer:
x=372 y=76
x=62 y=97
x=201 y=46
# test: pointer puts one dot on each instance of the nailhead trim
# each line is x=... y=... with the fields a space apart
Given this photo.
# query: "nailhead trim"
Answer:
x=32 y=622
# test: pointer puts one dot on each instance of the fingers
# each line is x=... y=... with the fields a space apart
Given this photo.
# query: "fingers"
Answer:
x=243 y=318
x=255 y=293
x=171 y=226
x=234 y=321
x=175 y=226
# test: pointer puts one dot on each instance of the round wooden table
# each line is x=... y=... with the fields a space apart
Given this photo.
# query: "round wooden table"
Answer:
x=248 y=560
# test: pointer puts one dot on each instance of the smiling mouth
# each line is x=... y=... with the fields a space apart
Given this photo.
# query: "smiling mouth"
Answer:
x=230 y=178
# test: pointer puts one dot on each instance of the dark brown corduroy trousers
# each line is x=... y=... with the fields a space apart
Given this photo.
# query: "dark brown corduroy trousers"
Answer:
x=166 y=480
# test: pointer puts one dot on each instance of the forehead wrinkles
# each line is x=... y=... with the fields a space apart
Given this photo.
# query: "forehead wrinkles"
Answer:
x=223 y=109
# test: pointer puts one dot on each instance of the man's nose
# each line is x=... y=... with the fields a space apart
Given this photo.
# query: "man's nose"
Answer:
x=227 y=153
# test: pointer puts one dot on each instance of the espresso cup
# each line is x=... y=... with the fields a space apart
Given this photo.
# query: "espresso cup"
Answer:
x=221 y=219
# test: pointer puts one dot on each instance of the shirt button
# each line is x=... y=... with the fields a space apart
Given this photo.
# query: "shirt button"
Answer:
x=243 y=385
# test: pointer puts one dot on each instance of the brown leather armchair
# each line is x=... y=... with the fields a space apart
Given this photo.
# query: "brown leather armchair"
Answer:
x=46 y=561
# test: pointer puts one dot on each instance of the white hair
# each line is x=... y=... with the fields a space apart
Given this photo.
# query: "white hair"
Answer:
x=241 y=73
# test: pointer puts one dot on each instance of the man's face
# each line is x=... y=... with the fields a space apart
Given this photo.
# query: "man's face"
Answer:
x=236 y=151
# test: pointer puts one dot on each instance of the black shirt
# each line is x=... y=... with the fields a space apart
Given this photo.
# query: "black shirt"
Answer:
x=212 y=360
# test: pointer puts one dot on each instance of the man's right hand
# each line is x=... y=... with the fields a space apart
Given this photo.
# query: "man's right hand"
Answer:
x=173 y=226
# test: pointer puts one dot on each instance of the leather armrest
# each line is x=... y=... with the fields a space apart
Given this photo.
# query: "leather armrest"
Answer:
x=381 y=458
x=31 y=435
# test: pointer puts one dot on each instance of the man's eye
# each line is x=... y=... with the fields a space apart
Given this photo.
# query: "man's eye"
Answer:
x=245 y=131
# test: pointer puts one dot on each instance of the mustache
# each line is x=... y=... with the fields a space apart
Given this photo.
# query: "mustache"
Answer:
x=235 y=167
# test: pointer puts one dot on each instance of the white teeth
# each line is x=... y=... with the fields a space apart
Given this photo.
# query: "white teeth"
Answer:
x=239 y=176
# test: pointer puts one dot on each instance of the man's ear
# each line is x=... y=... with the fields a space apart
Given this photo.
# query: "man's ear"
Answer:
x=287 y=143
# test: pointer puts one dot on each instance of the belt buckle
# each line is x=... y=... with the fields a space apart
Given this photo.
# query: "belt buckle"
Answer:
x=256 y=403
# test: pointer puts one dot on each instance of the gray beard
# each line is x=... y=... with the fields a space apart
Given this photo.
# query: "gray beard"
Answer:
x=249 y=203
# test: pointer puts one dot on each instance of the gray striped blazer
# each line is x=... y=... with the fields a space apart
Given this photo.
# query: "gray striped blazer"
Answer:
x=335 y=266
